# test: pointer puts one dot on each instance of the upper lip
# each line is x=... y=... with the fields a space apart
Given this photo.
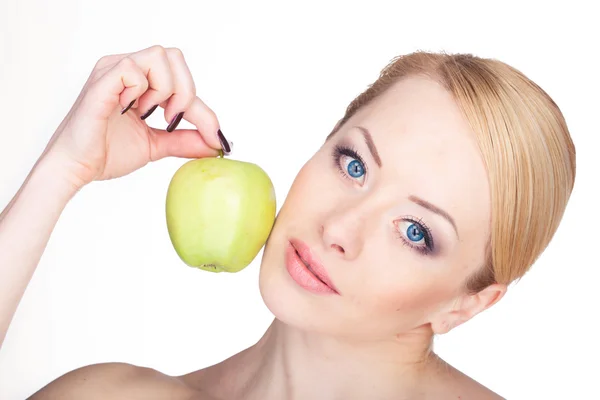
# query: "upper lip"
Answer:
x=312 y=262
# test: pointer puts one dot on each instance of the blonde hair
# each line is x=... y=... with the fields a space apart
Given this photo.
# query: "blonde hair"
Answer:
x=525 y=144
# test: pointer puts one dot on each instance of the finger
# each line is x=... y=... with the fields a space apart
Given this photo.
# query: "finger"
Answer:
x=184 y=87
x=157 y=68
x=121 y=84
x=169 y=83
x=185 y=143
x=108 y=61
x=205 y=120
x=185 y=104
x=182 y=98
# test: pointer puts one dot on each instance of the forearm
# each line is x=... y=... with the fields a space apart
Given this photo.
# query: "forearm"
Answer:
x=25 y=228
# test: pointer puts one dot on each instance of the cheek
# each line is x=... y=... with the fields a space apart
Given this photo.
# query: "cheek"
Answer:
x=417 y=296
x=311 y=187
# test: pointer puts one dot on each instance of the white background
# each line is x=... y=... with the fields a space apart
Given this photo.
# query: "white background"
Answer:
x=110 y=286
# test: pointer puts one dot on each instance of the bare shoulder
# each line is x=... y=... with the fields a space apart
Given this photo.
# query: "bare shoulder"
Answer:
x=115 y=381
x=471 y=389
x=454 y=384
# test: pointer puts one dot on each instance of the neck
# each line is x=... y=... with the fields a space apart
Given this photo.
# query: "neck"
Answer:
x=293 y=364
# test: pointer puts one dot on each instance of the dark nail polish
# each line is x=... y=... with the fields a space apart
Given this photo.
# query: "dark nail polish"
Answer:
x=149 y=112
x=224 y=143
x=176 y=120
x=123 y=111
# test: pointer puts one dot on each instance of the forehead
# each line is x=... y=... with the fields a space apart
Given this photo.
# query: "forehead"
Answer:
x=418 y=107
x=428 y=149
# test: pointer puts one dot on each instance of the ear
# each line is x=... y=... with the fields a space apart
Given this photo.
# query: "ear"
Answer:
x=466 y=307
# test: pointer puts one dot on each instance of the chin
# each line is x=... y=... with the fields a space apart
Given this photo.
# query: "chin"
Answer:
x=280 y=293
x=288 y=301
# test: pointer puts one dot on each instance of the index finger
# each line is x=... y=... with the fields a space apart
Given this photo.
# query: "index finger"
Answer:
x=182 y=93
x=207 y=123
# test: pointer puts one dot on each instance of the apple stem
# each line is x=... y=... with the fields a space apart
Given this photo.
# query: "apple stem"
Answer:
x=221 y=154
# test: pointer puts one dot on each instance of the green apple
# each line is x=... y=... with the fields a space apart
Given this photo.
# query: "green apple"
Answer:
x=220 y=213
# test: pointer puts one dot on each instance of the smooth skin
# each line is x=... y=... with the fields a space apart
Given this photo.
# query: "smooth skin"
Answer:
x=370 y=341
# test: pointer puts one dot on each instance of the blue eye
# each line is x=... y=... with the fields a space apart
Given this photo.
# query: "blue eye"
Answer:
x=350 y=164
x=414 y=233
x=355 y=169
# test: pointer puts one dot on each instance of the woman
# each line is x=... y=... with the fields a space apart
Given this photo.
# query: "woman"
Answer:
x=441 y=185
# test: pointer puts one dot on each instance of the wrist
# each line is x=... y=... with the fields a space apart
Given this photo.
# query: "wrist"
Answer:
x=44 y=194
x=52 y=174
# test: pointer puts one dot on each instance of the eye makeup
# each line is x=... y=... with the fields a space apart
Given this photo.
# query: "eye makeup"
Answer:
x=412 y=231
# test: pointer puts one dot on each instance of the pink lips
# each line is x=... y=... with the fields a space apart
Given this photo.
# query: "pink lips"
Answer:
x=306 y=270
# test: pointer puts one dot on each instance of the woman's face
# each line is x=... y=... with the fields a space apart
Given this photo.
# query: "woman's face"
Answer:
x=395 y=209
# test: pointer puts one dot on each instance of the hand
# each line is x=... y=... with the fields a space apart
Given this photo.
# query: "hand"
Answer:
x=105 y=135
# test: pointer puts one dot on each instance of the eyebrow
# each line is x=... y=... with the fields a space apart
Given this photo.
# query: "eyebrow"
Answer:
x=435 y=209
x=370 y=144
x=415 y=199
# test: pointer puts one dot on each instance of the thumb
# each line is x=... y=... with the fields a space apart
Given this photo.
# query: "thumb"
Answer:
x=184 y=143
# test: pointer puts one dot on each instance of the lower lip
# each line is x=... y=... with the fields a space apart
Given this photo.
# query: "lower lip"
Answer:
x=302 y=275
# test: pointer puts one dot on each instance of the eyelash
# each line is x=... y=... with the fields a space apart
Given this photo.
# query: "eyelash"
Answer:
x=427 y=235
x=343 y=150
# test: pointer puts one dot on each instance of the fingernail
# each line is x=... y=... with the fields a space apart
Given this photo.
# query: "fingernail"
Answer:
x=149 y=112
x=175 y=122
x=123 y=111
x=225 y=144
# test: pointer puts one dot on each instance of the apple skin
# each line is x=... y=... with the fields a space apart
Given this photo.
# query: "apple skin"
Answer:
x=219 y=213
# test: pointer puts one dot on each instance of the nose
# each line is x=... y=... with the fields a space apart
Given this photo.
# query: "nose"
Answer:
x=342 y=232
